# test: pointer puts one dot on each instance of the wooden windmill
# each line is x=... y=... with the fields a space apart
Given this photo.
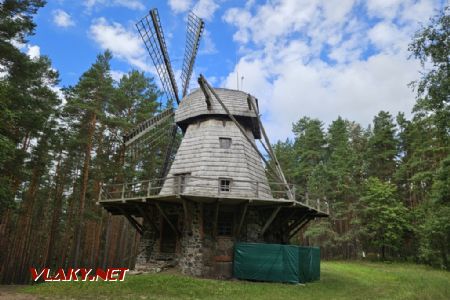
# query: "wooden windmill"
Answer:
x=215 y=190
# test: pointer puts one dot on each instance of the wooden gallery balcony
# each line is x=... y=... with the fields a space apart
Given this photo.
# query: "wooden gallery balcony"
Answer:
x=128 y=198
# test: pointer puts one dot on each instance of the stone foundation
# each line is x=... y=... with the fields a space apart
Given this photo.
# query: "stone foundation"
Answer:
x=200 y=249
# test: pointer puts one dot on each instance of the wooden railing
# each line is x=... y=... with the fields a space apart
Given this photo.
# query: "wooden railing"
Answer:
x=205 y=186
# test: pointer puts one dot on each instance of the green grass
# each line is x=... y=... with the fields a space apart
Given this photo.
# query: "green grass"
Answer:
x=339 y=280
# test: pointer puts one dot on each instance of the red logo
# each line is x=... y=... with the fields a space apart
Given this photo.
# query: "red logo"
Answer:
x=79 y=274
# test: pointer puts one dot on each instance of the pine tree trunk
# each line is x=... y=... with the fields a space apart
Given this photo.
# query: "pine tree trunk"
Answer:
x=57 y=211
x=107 y=237
x=84 y=184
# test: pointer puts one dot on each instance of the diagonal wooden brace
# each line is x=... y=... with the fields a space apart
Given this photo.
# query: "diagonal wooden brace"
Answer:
x=174 y=228
x=270 y=220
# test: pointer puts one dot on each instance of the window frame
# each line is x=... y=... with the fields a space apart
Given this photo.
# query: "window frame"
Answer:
x=180 y=187
x=223 y=141
x=225 y=187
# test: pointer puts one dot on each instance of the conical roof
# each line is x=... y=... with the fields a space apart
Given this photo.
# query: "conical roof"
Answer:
x=194 y=106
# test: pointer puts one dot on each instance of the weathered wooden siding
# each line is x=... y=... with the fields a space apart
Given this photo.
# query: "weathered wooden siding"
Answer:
x=194 y=105
x=200 y=155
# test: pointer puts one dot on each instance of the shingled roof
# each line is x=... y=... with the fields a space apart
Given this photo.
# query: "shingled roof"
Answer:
x=194 y=105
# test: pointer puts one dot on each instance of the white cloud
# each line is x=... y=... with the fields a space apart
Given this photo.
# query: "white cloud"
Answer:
x=419 y=11
x=208 y=45
x=205 y=9
x=117 y=75
x=123 y=43
x=323 y=59
x=387 y=9
x=62 y=19
x=180 y=6
x=131 y=4
x=389 y=38
x=33 y=51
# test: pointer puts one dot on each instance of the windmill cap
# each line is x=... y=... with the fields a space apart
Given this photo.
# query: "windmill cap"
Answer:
x=194 y=106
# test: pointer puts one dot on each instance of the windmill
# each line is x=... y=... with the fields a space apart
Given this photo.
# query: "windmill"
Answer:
x=216 y=187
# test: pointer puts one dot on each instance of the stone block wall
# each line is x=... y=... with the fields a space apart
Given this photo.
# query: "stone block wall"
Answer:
x=199 y=251
x=191 y=256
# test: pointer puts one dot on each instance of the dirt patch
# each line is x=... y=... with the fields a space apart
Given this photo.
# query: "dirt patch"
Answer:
x=12 y=292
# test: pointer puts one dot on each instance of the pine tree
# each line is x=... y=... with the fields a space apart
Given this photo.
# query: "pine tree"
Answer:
x=309 y=146
x=86 y=101
x=382 y=147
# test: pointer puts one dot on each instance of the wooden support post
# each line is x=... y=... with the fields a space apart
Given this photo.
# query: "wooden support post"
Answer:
x=187 y=215
x=241 y=221
x=216 y=219
x=149 y=188
x=294 y=232
x=123 y=190
x=286 y=220
x=270 y=220
x=147 y=217
x=132 y=221
x=201 y=222
x=297 y=222
x=167 y=220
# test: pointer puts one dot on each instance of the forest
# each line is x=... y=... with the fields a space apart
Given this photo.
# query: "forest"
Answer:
x=388 y=185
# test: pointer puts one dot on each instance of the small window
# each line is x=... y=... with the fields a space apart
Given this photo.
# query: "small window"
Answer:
x=181 y=182
x=225 y=143
x=224 y=184
x=225 y=224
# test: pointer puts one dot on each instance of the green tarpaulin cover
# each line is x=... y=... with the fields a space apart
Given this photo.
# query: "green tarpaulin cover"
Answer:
x=278 y=263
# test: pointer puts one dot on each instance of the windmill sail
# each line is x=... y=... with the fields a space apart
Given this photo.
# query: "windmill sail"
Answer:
x=151 y=132
x=143 y=128
x=195 y=26
x=152 y=34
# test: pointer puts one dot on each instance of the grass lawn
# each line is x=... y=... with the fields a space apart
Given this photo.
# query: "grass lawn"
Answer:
x=339 y=280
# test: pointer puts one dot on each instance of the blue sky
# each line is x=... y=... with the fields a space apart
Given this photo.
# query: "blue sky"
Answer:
x=298 y=57
x=65 y=33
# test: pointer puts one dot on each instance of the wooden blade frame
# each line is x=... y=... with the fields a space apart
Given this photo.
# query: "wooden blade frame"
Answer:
x=141 y=129
x=169 y=151
x=152 y=34
x=195 y=26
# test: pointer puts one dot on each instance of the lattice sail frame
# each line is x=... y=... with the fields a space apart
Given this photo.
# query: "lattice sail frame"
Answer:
x=151 y=32
x=148 y=135
x=195 y=27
